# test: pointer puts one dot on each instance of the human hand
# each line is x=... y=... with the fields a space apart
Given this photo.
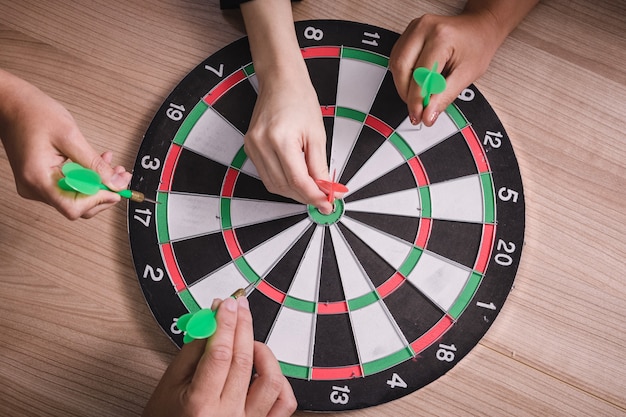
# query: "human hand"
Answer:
x=39 y=135
x=463 y=47
x=212 y=378
x=287 y=140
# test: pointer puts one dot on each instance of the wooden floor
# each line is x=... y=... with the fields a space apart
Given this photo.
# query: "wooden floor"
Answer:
x=77 y=336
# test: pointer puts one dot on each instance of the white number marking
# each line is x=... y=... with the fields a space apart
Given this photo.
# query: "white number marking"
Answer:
x=372 y=41
x=175 y=112
x=493 y=139
x=219 y=72
x=396 y=381
x=506 y=194
x=148 y=163
x=312 y=33
x=490 y=306
x=143 y=220
x=339 y=395
x=467 y=95
x=155 y=274
x=446 y=353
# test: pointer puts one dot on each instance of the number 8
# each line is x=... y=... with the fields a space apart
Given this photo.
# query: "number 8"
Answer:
x=312 y=33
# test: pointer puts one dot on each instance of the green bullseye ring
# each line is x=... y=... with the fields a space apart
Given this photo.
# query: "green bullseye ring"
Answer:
x=327 y=219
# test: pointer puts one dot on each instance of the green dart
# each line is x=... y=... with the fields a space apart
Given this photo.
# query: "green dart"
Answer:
x=86 y=181
x=202 y=323
x=430 y=82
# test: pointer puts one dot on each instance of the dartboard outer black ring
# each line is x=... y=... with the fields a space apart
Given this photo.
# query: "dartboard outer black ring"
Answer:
x=372 y=302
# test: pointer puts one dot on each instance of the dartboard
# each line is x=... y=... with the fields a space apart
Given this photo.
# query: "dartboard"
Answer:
x=378 y=298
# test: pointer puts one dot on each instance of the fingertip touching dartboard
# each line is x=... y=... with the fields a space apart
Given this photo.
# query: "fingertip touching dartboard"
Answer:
x=373 y=301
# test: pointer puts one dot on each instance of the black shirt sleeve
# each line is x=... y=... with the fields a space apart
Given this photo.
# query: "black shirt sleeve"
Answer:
x=231 y=4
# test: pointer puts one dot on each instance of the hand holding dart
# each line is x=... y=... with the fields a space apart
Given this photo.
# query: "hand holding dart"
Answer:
x=86 y=181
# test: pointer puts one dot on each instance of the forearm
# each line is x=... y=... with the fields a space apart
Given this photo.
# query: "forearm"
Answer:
x=505 y=15
x=273 y=42
x=10 y=87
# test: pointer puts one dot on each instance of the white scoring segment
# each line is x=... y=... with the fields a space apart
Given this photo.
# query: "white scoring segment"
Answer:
x=263 y=257
x=440 y=280
x=254 y=81
x=214 y=138
x=460 y=199
x=358 y=84
x=219 y=284
x=345 y=134
x=391 y=249
x=190 y=215
x=305 y=283
x=354 y=280
x=375 y=334
x=291 y=336
x=245 y=212
x=401 y=203
x=385 y=159
x=422 y=138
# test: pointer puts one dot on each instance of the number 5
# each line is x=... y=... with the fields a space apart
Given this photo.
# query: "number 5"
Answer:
x=506 y=194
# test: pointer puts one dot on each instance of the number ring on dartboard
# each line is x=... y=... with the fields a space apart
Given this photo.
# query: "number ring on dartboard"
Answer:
x=373 y=301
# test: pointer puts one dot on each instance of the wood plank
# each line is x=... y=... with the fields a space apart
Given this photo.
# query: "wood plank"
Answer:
x=79 y=338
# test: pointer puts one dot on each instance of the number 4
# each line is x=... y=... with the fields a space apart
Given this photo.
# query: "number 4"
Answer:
x=396 y=381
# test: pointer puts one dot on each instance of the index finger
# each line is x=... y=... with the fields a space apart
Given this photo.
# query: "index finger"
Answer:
x=297 y=174
x=403 y=56
x=214 y=366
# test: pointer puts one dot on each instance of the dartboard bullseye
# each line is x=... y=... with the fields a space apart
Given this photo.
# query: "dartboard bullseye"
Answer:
x=365 y=304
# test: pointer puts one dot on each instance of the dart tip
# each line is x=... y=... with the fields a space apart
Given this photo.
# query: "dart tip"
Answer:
x=244 y=292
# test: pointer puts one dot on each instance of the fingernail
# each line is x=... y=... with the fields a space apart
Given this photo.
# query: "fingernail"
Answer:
x=433 y=118
x=326 y=210
x=230 y=304
x=243 y=303
x=413 y=120
x=216 y=303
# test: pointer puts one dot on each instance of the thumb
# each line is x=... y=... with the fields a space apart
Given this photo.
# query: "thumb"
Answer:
x=115 y=178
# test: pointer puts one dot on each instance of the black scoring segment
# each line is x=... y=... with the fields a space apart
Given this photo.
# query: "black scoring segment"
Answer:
x=194 y=174
x=237 y=105
x=331 y=288
x=448 y=160
x=368 y=142
x=342 y=351
x=251 y=187
x=210 y=248
x=402 y=227
x=251 y=236
x=388 y=106
x=324 y=73
x=398 y=179
x=376 y=268
x=264 y=311
x=329 y=126
x=283 y=272
x=413 y=312
x=458 y=241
